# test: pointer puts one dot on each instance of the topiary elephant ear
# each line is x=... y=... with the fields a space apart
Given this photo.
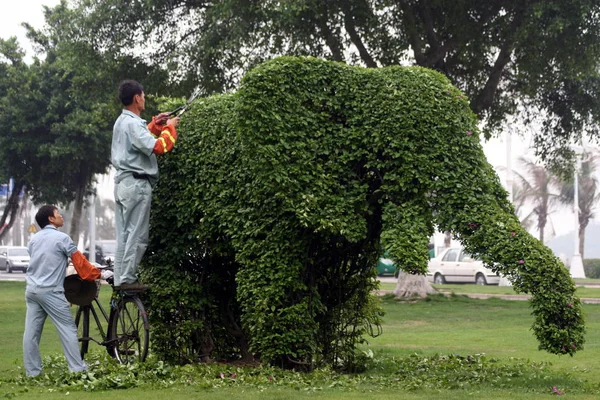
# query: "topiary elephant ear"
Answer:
x=285 y=192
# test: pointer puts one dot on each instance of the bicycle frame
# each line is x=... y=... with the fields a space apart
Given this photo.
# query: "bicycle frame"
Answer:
x=126 y=337
x=92 y=310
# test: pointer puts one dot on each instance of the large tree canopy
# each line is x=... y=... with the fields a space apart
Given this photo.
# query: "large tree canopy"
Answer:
x=533 y=57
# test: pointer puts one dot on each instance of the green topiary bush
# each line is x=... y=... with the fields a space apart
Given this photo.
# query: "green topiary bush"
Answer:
x=591 y=267
x=279 y=198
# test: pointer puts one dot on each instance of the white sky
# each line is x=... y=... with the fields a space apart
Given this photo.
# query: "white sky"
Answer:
x=31 y=11
x=14 y=12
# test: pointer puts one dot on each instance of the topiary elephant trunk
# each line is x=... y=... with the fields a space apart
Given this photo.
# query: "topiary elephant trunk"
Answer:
x=278 y=199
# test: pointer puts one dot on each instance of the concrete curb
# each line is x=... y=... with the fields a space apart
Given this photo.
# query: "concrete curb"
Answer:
x=520 y=297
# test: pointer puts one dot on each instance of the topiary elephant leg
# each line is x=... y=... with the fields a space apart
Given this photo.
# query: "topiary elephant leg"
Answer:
x=407 y=228
x=276 y=306
x=483 y=220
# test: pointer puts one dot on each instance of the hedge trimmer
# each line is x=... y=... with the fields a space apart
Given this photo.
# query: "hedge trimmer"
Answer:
x=181 y=109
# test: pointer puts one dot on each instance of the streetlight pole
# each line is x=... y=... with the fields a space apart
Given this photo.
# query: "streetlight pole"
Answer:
x=576 y=261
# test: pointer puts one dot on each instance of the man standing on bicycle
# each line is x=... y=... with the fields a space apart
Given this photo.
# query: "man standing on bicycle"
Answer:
x=135 y=146
x=49 y=251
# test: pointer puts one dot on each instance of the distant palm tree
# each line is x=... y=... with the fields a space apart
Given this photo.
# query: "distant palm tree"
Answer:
x=536 y=186
x=519 y=202
x=588 y=193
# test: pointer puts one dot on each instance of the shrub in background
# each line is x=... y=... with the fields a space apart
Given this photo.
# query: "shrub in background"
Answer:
x=591 y=267
x=278 y=199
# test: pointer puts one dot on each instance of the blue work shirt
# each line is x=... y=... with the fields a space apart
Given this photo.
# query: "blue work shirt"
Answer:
x=132 y=146
x=49 y=250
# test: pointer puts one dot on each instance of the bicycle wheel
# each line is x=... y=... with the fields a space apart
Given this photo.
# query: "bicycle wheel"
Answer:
x=130 y=330
x=82 y=321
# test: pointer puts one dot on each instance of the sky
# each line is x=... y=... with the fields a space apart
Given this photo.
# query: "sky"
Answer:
x=14 y=12
x=31 y=11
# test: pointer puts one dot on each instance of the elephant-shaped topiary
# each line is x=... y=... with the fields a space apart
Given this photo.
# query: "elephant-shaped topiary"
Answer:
x=278 y=199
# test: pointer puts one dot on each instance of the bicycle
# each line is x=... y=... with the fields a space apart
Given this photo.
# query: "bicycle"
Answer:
x=127 y=335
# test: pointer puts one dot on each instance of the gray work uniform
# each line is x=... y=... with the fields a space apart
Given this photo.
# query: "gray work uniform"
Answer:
x=132 y=154
x=49 y=250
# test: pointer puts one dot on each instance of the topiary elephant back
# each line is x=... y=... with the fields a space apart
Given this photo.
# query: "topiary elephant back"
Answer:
x=278 y=199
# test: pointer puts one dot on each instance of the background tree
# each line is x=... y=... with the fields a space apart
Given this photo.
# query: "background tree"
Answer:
x=59 y=134
x=588 y=195
x=61 y=110
x=447 y=239
x=413 y=285
x=85 y=93
x=23 y=101
x=541 y=55
x=519 y=201
x=55 y=147
x=538 y=187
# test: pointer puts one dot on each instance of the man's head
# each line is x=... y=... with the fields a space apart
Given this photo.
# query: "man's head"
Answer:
x=48 y=214
x=131 y=94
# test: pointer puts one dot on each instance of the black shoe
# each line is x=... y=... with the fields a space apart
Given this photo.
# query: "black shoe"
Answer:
x=132 y=287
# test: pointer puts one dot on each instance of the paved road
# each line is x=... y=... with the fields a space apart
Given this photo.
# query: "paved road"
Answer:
x=15 y=276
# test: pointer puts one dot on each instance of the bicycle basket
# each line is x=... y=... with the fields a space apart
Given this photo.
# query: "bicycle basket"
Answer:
x=80 y=292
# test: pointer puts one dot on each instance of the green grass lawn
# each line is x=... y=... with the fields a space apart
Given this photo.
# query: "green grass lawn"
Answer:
x=588 y=281
x=499 y=328
x=455 y=325
x=12 y=324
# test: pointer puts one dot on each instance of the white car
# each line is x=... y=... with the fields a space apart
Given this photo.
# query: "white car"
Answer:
x=453 y=265
x=14 y=258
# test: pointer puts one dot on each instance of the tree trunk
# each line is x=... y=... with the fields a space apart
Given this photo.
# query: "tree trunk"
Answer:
x=413 y=286
x=582 y=239
x=77 y=212
x=10 y=210
x=20 y=225
x=542 y=219
x=330 y=37
x=447 y=239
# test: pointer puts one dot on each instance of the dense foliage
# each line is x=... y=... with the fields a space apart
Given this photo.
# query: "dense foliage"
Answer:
x=272 y=210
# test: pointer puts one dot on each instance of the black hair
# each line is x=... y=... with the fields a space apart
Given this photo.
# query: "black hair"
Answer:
x=128 y=89
x=43 y=215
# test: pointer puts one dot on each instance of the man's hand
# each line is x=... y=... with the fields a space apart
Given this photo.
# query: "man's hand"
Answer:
x=161 y=118
x=105 y=274
x=174 y=121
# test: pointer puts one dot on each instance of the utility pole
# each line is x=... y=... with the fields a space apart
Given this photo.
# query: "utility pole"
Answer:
x=509 y=187
x=92 y=233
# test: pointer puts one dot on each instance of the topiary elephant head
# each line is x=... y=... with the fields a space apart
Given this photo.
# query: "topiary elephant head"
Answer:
x=284 y=193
